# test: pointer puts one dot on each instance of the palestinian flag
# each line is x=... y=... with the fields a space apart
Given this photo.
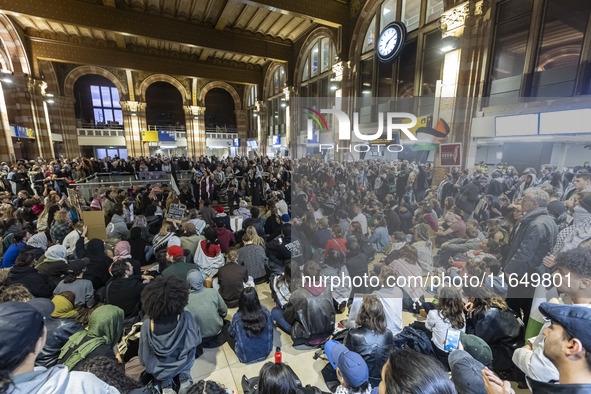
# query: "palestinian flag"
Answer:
x=429 y=138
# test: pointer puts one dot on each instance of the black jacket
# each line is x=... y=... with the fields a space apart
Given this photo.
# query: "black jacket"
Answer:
x=374 y=348
x=549 y=388
x=97 y=270
x=53 y=271
x=533 y=240
x=257 y=223
x=58 y=333
x=357 y=266
x=502 y=331
x=468 y=198
x=311 y=314
x=31 y=279
x=125 y=293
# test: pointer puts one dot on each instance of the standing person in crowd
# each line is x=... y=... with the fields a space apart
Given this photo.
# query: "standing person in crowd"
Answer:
x=533 y=240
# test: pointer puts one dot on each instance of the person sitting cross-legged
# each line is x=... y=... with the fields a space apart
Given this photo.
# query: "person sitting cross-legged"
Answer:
x=169 y=335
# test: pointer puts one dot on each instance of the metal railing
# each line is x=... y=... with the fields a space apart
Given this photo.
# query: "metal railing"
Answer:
x=125 y=180
x=101 y=132
x=85 y=125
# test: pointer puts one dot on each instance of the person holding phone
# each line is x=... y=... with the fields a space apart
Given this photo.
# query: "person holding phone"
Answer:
x=447 y=316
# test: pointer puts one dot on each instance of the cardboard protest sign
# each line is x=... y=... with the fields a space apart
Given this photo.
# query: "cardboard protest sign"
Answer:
x=95 y=221
x=176 y=212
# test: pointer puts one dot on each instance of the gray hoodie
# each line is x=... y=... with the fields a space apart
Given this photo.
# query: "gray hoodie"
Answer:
x=117 y=228
x=57 y=380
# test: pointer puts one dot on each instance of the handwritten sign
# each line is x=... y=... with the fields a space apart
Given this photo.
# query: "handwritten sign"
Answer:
x=176 y=212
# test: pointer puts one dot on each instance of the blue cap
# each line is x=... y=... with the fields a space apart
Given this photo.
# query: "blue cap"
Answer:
x=574 y=319
x=21 y=325
x=285 y=218
x=352 y=366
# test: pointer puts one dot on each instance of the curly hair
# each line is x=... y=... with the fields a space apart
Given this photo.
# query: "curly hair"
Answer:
x=483 y=299
x=372 y=315
x=16 y=292
x=110 y=371
x=165 y=297
x=577 y=261
x=206 y=387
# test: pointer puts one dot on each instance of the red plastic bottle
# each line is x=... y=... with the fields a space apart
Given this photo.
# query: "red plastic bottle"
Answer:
x=278 y=355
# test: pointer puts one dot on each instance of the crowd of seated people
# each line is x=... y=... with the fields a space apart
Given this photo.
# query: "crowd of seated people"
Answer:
x=131 y=311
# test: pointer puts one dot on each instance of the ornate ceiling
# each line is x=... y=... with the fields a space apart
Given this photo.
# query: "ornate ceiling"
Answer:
x=241 y=34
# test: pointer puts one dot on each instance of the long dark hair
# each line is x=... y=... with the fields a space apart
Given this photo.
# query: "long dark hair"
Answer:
x=408 y=371
x=211 y=235
x=277 y=378
x=451 y=306
x=253 y=317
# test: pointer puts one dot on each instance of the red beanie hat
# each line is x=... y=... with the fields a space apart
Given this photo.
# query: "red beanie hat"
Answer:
x=175 y=251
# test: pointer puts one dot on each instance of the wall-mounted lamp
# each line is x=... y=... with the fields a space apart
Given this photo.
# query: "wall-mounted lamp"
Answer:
x=48 y=98
x=449 y=43
x=334 y=85
x=6 y=76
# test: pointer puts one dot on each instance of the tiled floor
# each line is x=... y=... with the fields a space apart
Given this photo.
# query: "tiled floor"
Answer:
x=222 y=366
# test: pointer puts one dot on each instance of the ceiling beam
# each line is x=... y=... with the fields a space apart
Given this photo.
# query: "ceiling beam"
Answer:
x=333 y=13
x=139 y=24
x=59 y=51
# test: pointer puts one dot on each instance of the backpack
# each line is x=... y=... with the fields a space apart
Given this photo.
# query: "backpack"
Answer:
x=413 y=339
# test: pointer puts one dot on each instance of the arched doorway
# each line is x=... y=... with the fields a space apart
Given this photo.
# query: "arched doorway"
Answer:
x=98 y=107
x=164 y=112
x=219 y=117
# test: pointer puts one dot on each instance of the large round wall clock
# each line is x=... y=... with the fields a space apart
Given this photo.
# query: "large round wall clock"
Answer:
x=391 y=41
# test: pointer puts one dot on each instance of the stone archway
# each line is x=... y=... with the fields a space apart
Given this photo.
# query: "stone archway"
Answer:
x=164 y=78
x=84 y=70
x=222 y=85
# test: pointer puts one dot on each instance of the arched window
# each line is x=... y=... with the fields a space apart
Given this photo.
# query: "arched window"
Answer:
x=398 y=78
x=252 y=96
x=276 y=103
x=251 y=101
x=319 y=59
x=370 y=37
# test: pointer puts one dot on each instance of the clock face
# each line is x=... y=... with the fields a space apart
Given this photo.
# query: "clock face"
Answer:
x=387 y=42
x=391 y=41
